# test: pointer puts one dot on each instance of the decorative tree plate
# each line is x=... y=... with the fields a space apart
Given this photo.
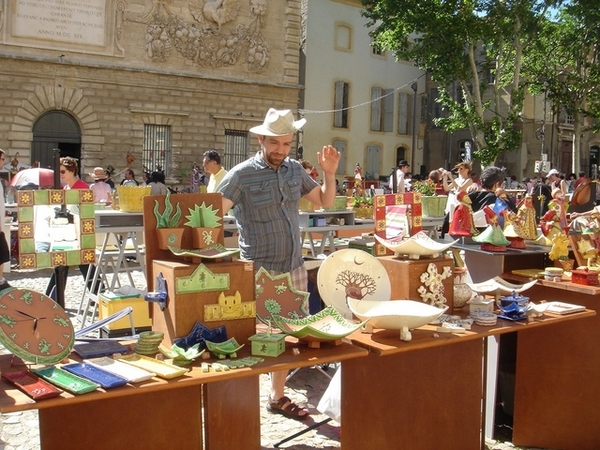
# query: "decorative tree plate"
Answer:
x=352 y=273
x=402 y=315
x=326 y=325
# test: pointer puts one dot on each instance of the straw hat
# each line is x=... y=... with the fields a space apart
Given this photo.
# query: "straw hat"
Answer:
x=278 y=123
x=98 y=174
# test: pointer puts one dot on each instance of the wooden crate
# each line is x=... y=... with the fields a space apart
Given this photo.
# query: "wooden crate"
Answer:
x=405 y=277
x=184 y=309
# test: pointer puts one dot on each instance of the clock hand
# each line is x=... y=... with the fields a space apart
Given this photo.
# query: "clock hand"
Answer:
x=25 y=314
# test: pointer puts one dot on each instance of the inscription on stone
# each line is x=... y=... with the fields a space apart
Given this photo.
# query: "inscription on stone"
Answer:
x=73 y=21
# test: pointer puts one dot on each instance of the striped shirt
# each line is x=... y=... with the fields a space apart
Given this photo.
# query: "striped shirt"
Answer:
x=266 y=210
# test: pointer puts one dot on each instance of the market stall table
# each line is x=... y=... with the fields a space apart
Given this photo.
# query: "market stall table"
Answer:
x=220 y=408
x=428 y=393
x=562 y=410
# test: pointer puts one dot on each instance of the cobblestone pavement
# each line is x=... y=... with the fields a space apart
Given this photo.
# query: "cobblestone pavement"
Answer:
x=20 y=431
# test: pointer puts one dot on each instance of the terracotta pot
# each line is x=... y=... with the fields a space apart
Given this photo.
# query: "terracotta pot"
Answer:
x=169 y=236
x=565 y=264
x=204 y=237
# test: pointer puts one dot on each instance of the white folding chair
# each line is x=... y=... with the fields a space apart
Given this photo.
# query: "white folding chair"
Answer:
x=81 y=334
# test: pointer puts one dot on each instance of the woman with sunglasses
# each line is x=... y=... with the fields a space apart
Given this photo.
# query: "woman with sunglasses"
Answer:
x=68 y=174
x=70 y=179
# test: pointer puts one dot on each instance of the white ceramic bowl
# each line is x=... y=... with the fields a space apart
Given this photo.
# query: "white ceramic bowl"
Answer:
x=402 y=315
x=418 y=245
x=497 y=286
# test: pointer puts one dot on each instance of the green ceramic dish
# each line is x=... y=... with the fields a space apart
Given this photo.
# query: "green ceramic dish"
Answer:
x=223 y=349
x=66 y=380
x=326 y=325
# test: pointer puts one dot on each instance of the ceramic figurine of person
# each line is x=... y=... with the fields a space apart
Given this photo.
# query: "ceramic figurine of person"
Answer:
x=492 y=238
x=462 y=223
x=524 y=223
x=560 y=202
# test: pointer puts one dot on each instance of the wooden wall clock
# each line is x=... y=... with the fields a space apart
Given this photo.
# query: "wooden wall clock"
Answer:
x=34 y=327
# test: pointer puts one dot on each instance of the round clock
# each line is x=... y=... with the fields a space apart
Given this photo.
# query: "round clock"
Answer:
x=34 y=327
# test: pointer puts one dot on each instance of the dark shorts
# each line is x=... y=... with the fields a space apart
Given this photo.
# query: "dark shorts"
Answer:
x=4 y=249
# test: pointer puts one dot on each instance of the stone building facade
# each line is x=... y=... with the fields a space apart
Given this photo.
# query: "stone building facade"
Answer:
x=144 y=84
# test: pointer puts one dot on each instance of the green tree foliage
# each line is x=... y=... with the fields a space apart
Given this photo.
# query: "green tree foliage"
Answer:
x=564 y=64
x=475 y=44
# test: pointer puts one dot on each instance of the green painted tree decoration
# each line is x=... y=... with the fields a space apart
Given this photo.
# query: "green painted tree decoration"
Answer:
x=166 y=220
x=203 y=217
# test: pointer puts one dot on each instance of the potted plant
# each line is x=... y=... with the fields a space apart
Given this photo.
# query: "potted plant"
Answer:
x=362 y=206
x=205 y=224
x=433 y=205
x=167 y=224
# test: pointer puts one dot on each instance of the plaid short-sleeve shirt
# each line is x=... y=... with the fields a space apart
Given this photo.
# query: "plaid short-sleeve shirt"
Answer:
x=266 y=208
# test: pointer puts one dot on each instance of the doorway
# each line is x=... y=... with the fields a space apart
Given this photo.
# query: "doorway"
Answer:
x=55 y=129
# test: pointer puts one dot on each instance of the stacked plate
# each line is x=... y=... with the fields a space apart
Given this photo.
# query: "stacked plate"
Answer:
x=486 y=319
x=149 y=342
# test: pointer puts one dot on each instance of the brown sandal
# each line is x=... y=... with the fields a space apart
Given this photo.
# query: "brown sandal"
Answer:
x=287 y=408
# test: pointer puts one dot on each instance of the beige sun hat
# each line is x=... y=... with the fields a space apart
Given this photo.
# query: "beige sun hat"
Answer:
x=278 y=123
x=98 y=174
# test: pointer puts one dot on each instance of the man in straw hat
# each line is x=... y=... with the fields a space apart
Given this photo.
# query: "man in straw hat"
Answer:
x=264 y=192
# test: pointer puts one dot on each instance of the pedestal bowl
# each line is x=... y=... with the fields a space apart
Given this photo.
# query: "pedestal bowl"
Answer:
x=403 y=315
x=327 y=325
x=416 y=246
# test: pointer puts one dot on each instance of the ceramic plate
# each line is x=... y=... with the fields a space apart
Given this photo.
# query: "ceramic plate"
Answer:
x=352 y=273
x=105 y=379
x=497 y=285
x=132 y=373
x=31 y=384
x=66 y=380
x=160 y=368
x=419 y=245
x=563 y=308
x=99 y=348
x=326 y=325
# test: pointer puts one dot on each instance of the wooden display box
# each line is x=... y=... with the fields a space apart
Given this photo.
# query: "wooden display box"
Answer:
x=405 y=277
x=184 y=309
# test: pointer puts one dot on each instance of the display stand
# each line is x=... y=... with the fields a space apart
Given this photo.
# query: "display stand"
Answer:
x=405 y=277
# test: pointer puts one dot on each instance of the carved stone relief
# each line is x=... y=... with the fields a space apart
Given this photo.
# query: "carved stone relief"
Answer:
x=216 y=37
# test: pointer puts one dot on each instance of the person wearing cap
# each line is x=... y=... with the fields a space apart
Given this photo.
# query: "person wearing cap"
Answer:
x=403 y=168
x=100 y=188
x=556 y=182
x=212 y=165
x=264 y=192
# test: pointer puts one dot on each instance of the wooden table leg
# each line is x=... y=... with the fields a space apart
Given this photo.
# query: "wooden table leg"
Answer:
x=430 y=398
x=232 y=414
x=153 y=420
x=557 y=381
